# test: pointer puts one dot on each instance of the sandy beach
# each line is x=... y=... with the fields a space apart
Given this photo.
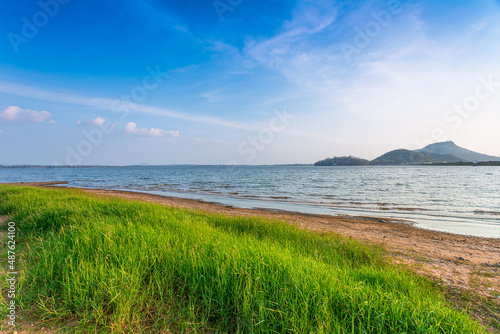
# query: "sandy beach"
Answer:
x=463 y=264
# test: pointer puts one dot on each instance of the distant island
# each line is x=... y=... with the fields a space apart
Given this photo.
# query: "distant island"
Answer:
x=444 y=153
x=343 y=161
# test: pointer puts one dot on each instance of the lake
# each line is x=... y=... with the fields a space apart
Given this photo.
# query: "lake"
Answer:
x=457 y=199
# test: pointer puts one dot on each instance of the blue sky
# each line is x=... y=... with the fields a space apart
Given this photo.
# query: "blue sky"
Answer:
x=246 y=82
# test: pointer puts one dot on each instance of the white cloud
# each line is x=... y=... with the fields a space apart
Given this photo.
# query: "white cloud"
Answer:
x=17 y=114
x=1 y=131
x=131 y=128
x=98 y=121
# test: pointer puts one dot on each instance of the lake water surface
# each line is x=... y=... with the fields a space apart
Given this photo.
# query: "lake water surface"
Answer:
x=458 y=199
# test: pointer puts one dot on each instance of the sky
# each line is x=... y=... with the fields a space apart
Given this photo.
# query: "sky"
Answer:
x=244 y=82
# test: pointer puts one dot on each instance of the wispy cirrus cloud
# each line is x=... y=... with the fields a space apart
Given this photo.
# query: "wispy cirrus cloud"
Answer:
x=131 y=128
x=213 y=97
x=219 y=142
x=18 y=114
x=295 y=52
x=156 y=16
x=115 y=105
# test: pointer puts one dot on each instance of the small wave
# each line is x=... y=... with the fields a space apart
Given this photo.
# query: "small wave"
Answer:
x=401 y=209
x=481 y=212
x=91 y=180
x=317 y=195
x=408 y=209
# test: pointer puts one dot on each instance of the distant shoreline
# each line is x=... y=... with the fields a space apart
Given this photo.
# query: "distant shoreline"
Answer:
x=146 y=166
x=482 y=163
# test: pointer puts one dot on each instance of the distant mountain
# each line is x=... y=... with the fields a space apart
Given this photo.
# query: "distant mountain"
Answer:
x=449 y=147
x=402 y=156
x=437 y=153
x=343 y=161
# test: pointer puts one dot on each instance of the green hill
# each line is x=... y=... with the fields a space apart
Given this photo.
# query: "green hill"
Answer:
x=343 y=161
x=450 y=148
x=402 y=156
x=437 y=153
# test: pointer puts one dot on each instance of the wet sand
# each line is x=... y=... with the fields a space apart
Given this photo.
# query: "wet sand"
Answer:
x=461 y=263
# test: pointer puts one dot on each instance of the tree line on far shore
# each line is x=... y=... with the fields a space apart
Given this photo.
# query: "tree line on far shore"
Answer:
x=343 y=161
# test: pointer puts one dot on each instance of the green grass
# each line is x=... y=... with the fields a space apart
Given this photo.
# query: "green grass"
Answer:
x=127 y=267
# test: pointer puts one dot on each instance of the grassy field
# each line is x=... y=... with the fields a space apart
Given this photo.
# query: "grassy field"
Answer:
x=110 y=265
